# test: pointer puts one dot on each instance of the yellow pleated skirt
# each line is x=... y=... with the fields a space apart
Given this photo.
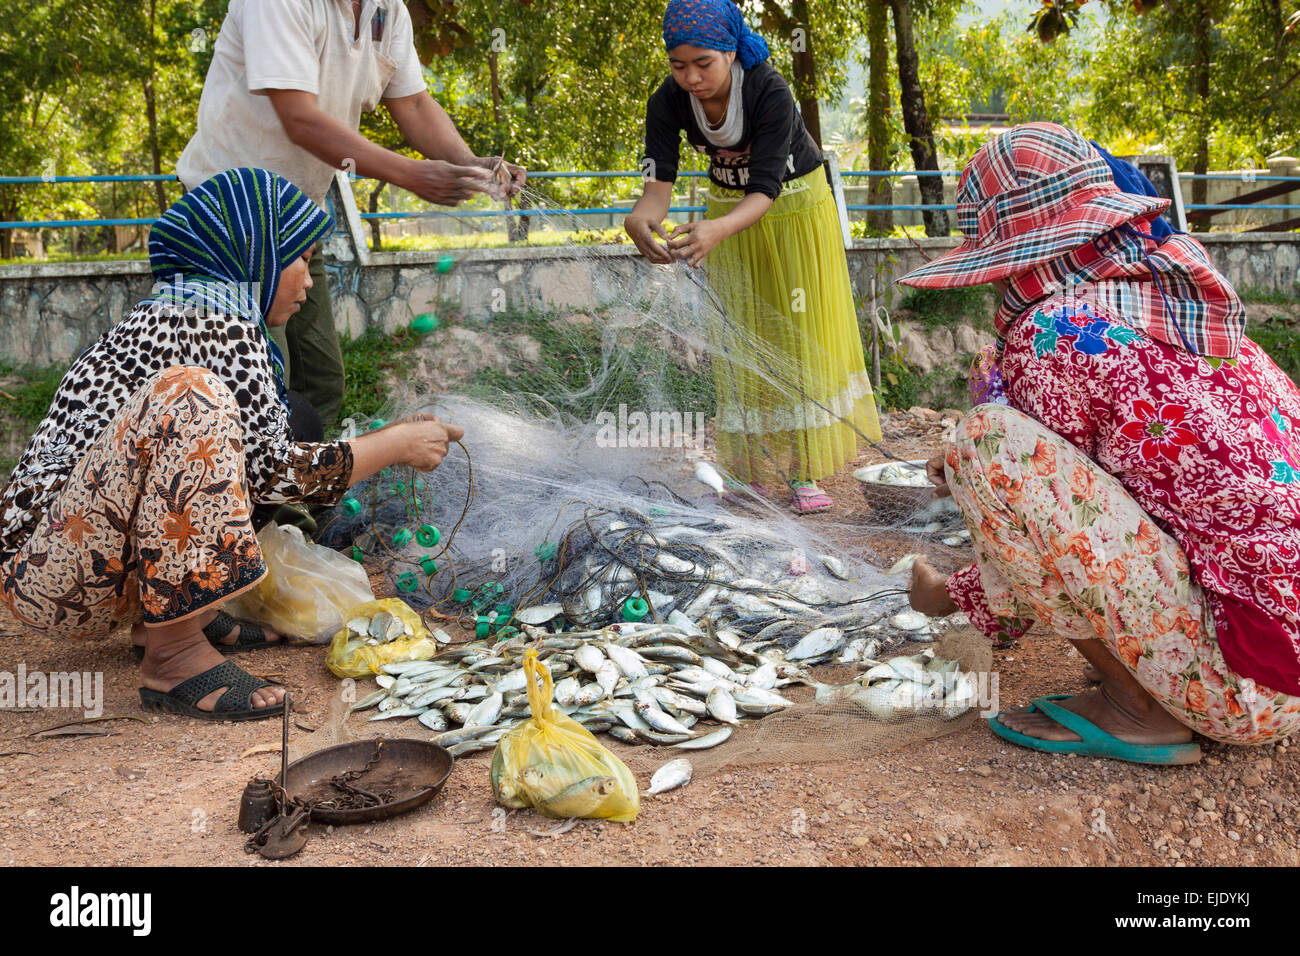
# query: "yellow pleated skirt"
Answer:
x=793 y=390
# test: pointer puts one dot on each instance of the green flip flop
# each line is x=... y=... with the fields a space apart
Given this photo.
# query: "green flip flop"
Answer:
x=1095 y=742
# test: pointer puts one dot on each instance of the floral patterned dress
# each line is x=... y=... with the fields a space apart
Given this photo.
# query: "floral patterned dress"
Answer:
x=1143 y=495
x=131 y=501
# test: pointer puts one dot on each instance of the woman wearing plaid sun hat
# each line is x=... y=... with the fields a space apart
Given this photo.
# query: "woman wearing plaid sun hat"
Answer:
x=1139 y=492
x=774 y=252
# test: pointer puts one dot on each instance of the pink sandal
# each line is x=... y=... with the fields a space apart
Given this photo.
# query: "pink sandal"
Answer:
x=810 y=501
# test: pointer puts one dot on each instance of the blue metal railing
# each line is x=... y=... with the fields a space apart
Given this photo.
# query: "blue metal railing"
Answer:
x=594 y=210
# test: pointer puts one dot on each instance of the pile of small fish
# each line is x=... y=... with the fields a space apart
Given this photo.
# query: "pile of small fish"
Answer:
x=382 y=628
x=641 y=682
x=904 y=686
x=896 y=474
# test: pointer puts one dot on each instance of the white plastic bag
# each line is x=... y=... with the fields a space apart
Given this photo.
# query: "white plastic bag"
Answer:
x=307 y=588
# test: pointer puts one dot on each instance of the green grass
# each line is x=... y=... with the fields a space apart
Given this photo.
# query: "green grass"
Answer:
x=370 y=362
x=26 y=403
x=69 y=257
x=1260 y=296
x=1279 y=337
x=498 y=240
x=577 y=375
x=934 y=308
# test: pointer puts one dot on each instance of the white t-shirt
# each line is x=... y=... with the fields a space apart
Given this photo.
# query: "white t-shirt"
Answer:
x=295 y=45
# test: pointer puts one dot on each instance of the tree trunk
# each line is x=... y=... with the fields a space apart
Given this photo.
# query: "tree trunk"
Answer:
x=151 y=111
x=880 y=192
x=804 y=67
x=8 y=210
x=1201 y=161
x=494 y=69
x=376 y=230
x=916 y=119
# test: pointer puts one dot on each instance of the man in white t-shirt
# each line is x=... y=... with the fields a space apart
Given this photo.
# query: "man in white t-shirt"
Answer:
x=288 y=82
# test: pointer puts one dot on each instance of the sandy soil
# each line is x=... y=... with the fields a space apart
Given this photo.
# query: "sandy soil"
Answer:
x=165 y=790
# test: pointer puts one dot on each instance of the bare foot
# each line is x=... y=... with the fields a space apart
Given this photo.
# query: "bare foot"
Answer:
x=1133 y=724
x=172 y=661
x=929 y=591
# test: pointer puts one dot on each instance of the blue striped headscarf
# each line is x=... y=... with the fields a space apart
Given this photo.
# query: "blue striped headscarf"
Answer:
x=222 y=246
x=713 y=25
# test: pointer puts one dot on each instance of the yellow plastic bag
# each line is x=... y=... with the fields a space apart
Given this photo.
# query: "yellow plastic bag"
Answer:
x=554 y=765
x=307 y=588
x=351 y=656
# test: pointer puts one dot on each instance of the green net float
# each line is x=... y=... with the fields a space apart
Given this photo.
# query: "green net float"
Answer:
x=424 y=323
x=351 y=506
x=657 y=512
x=429 y=566
x=399 y=487
x=461 y=595
x=482 y=626
x=544 y=552
x=407 y=582
x=504 y=611
x=377 y=423
x=402 y=537
x=506 y=633
x=445 y=263
x=386 y=474
x=419 y=483
x=635 y=609
x=428 y=535
x=358 y=555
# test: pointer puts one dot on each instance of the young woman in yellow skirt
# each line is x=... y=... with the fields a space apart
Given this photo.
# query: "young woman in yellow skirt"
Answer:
x=793 y=392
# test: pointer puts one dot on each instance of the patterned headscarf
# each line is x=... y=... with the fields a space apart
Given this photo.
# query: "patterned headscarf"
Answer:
x=222 y=246
x=713 y=25
x=1168 y=290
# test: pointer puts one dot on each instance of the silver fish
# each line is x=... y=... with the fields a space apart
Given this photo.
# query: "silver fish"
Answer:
x=399 y=712
x=566 y=690
x=817 y=643
x=369 y=700
x=721 y=735
x=435 y=720
x=453 y=737
x=539 y=614
x=471 y=746
x=721 y=706
x=589 y=658
x=706 y=473
x=486 y=713
x=607 y=676
x=674 y=774
x=588 y=694
x=627 y=661
x=660 y=721
x=660 y=739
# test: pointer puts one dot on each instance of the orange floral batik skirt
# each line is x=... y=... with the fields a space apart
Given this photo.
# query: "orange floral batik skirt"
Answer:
x=153 y=523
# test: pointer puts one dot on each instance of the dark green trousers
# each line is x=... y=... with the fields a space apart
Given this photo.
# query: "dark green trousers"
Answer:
x=313 y=361
x=313 y=367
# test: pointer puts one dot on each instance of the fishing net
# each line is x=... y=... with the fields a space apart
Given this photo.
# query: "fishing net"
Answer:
x=587 y=492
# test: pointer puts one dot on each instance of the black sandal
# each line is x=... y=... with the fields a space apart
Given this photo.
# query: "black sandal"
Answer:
x=251 y=636
x=234 y=704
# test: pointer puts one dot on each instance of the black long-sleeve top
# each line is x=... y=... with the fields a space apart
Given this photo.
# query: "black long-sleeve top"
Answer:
x=774 y=147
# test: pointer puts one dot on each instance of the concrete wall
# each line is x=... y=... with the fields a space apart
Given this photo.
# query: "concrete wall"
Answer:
x=50 y=312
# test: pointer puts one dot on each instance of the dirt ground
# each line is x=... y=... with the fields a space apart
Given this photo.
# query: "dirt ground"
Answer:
x=165 y=790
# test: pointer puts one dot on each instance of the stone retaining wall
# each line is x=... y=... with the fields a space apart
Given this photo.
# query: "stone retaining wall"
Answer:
x=50 y=312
